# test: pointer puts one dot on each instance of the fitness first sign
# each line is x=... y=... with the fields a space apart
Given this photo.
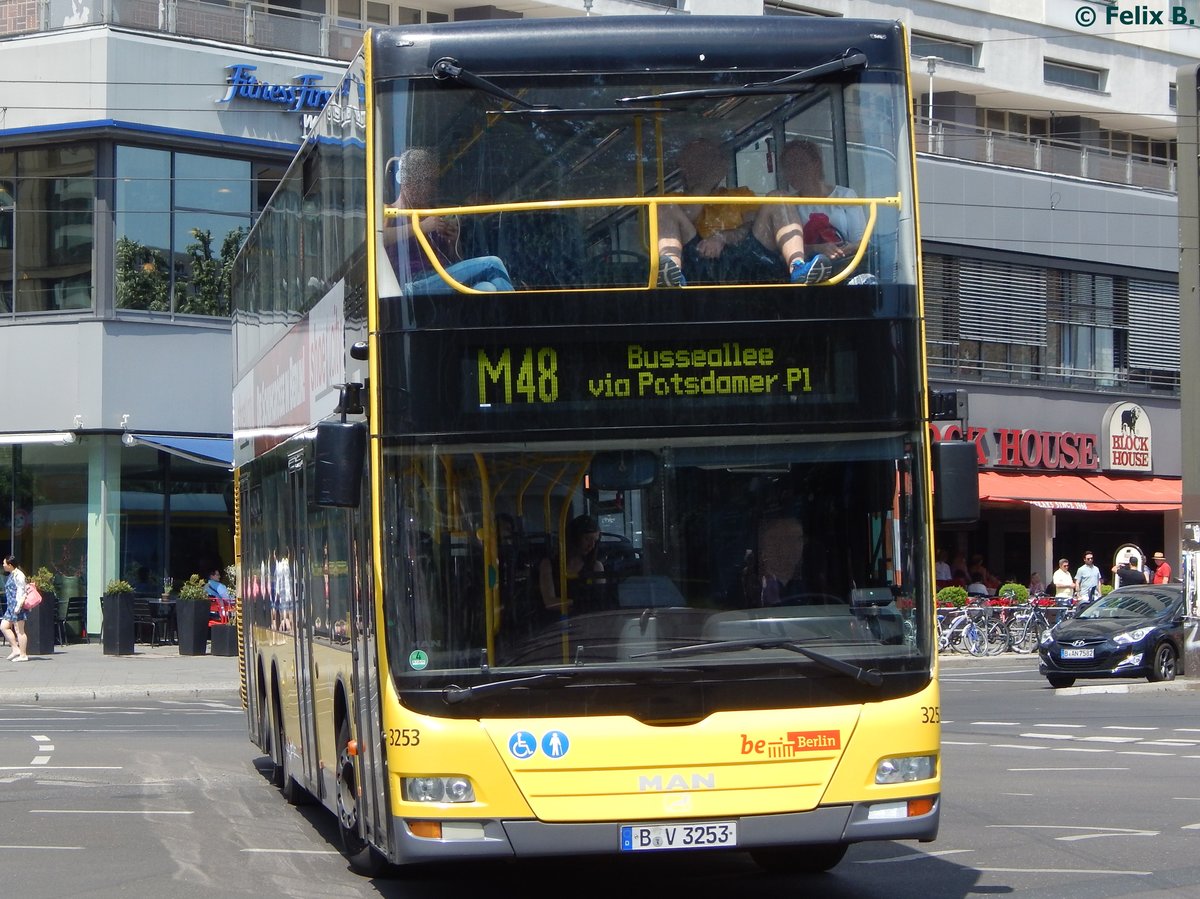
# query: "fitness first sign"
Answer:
x=304 y=95
x=1126 y=439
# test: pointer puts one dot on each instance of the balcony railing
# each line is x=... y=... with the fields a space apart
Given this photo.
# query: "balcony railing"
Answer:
x=1055 y=157
x=234 y=21
x=945 y=364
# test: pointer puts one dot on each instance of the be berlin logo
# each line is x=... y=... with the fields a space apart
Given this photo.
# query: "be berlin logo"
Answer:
x=1137 y=15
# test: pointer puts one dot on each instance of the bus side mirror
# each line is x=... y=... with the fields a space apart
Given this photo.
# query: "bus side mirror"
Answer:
x=955 y=482
x=339 y=453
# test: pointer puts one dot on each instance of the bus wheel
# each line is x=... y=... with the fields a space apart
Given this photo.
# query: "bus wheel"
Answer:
x=359 y=853
x=268 y=740
x=808 y=859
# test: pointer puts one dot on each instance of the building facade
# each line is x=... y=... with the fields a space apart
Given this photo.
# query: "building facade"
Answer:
x=1048 y=207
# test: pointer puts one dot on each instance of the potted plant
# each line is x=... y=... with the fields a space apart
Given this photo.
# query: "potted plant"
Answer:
x=39 y=625
x=116 y=629
x=191 y=617
x=952 y=596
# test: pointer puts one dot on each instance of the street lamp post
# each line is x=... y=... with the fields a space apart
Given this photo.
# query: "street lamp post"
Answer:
x=931 y=67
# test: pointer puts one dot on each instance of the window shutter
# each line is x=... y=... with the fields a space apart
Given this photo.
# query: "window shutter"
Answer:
x=1002 y=303
x=1153 y=325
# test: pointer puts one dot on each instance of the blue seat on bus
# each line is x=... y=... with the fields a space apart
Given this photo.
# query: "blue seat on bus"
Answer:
x=540 y=249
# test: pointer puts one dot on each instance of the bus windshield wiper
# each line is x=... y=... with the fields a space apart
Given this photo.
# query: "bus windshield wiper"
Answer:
x=869 y=676
x=449 y=69
x=454 y=694
x=794 y=83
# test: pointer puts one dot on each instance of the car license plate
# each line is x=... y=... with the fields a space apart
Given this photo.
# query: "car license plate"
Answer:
x=1071 y=652
x=706 y=835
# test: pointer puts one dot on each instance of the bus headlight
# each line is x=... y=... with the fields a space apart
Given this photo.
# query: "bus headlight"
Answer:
x=451 y=788
x=905 y=769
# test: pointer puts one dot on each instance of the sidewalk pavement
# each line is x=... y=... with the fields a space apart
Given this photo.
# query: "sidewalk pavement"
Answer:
x=81 y=671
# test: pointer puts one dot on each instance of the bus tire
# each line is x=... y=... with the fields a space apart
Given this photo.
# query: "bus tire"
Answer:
x=361 y=855
x=806 y=859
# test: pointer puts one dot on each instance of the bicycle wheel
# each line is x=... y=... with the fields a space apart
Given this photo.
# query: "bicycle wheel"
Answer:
x=1024 y=634
x=973 y=638
x=995 y=638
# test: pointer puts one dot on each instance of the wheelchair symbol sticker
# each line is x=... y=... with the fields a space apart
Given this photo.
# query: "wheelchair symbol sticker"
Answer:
x=522 y=744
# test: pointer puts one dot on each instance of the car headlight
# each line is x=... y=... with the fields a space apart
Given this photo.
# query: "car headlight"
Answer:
x=454 y=788
x=1132 y=636
x=905 y=769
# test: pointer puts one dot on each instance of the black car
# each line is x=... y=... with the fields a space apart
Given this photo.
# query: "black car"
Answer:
x=1136 y=631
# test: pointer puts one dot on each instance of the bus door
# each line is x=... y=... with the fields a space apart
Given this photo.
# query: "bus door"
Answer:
x=372 y=773
x=302 y=623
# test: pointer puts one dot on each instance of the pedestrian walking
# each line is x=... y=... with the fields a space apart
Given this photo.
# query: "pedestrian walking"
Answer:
x=13 y=622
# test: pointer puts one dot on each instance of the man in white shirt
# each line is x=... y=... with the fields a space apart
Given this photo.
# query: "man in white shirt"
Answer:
x=1064 y=584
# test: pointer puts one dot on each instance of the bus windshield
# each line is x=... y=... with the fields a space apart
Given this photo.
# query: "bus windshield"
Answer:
x=750 y=548
x=572 y=182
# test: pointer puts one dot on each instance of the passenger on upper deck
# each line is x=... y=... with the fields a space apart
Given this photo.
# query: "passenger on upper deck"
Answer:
x=834 y=230
x=728 y=243
x=417 y=177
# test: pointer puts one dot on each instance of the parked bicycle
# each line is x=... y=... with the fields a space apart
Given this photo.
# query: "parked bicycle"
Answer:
x=1028 y=623
x=973 y=629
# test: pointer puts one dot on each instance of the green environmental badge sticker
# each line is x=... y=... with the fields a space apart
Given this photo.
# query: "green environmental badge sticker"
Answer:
x=418 y=660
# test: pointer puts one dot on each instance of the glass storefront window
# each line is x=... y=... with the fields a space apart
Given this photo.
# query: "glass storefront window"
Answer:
x=180 y=220
x=47 y=228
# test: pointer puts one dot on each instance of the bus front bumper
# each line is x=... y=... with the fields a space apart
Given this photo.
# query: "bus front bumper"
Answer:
x=532 y=839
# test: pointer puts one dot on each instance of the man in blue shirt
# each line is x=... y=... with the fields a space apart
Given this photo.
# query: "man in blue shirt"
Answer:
x=1087 y=579
x=221 y=600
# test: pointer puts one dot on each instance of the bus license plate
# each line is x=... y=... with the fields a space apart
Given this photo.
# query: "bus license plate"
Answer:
x=1069 y=652
x=711 y=835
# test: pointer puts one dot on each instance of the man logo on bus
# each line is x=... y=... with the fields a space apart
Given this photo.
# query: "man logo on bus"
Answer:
x=795 y=742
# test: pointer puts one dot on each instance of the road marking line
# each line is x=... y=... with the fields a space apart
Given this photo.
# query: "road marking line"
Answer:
x=961 y=743
x=1075 y=726
x=1135 y=752
x=1078 y=749
x=1047 y=736
x=49 y=747
x=1175 y=744
x=41 y=739
x=307 y=851
x=1018 y=746
x=1062 y=871
x=40 y=760
x=1111 y=739
x=100 y=811
x=1127 y=727
x=911 y=857
x=1190 y=827
x=1097 y=832
x=1089 y=768
x=997 y=723
x=42 y=847
x=67 y=767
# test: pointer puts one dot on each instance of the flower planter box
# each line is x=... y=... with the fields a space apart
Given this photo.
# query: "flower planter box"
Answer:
x=224 y=639
x=117 y=629
x=40 y=626
x=191 y=618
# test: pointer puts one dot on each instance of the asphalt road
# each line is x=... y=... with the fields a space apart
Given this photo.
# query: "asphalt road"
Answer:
x=1047 y=793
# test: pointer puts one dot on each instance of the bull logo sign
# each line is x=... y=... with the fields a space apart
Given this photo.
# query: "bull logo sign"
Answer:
x=1126 y=441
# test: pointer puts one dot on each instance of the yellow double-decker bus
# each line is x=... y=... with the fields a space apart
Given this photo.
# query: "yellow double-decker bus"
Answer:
x=581 y=431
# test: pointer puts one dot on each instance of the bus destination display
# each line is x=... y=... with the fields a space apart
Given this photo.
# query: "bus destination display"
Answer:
x=635 y=373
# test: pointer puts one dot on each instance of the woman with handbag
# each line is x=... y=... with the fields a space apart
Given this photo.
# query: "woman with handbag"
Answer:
x=13 y=623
